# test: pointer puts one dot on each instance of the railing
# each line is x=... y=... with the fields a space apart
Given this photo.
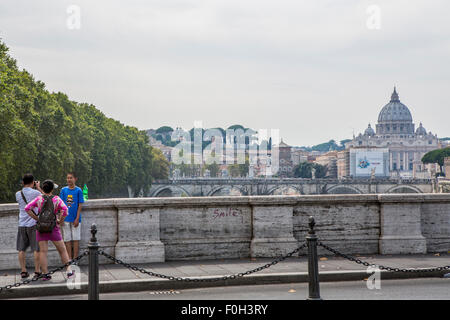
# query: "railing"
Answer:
x=311 y=244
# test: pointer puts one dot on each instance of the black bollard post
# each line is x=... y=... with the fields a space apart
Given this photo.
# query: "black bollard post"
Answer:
x=93 y=290
x=313 y=263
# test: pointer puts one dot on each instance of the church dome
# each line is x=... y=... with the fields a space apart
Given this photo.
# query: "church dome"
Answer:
x=421 y=130
x=395 y=111
x=369 y=131
x=395 y=118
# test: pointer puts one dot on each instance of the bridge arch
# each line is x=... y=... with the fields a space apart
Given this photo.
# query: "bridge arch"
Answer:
x=343 y=189
x=404 y=189
x=170 y=191
x=284 y=190
x=222 y=191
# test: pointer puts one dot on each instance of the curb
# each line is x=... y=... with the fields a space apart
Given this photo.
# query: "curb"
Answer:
x=164 y=284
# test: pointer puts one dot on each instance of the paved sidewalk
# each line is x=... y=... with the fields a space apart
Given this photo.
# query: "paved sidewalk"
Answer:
x=118 y=278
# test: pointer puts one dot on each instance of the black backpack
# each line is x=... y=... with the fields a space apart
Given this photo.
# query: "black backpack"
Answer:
x=47 y=217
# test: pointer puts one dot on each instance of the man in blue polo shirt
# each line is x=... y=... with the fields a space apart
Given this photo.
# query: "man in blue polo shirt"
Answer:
x=71 y=227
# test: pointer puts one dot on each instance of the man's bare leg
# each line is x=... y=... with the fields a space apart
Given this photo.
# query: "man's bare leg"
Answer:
x=22 y=261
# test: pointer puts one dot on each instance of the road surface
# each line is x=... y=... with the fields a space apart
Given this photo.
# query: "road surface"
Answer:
x=407 y=289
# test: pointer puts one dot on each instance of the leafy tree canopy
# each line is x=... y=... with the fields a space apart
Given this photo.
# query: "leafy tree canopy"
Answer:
x=236 y=126
x=436 y=156
x=49 y=135
x=327 y=146
x=164 y=129
x=304 y=170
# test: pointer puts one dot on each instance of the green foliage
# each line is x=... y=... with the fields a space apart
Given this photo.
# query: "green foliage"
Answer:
x=188 y=170
x=160 y=168
x=304 y=170
x=321 y=171
x=239 y=170
x=236 y=126
x=328 y=146
x=213 y=169
x=234 y=170
x=163 y=134
x=48 y=135
x=164 y=129
x=436 y=156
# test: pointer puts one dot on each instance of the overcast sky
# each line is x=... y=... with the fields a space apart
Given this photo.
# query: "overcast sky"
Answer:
x=315 y=70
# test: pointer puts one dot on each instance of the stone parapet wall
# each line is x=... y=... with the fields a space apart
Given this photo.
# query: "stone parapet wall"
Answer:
x=162 y=229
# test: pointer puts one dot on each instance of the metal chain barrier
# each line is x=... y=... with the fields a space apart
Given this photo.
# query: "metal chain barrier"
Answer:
x=228 y=277
x=18 y=284
x=311 y=243
x=367 y=264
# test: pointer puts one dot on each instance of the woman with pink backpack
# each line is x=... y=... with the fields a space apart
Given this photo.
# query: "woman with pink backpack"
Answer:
x=51 y=212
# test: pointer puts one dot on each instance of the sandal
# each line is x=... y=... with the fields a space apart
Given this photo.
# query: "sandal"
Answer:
x=46 y=277
x=37 y=275
x=24 y=274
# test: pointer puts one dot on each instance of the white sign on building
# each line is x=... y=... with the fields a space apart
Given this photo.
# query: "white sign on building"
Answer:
x=365 y=162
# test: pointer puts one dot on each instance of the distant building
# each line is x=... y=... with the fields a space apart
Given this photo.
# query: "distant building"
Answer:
x=447 y=167
x=395 y=132
x=298 y=156
x=329 y=159
x=343 y=164
x=286 y=167
x=167 y=151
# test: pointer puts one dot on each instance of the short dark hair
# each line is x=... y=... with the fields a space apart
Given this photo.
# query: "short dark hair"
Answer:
x=73 y=174
x=48 y=186
x=27 y=178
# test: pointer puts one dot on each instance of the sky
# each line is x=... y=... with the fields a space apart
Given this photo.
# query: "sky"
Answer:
x=314 y=70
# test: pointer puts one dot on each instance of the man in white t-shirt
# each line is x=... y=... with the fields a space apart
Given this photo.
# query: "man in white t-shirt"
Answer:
x=26 y=234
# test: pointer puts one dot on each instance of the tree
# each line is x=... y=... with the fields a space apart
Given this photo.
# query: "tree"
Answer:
x=160 y=165
x=49 y=135
x=321 y=171
x=304 y=170
x=234 y=170
x=164 y=130
x=244 y=167
x=213 y=169
x=327 y=146
x=236 y=126
x=343 y=142
x=437 y=156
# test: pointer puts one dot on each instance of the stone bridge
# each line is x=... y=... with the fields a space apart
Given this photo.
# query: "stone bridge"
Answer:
x=198 y=187
x=145 y=230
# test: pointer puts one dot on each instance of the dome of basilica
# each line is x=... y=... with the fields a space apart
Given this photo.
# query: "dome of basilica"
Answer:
x=395 y=118
x=369 y=131
x=395 y=111
x=421 y=130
